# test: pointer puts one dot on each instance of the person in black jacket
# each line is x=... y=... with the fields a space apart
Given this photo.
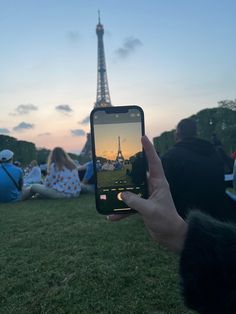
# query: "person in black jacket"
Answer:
x=227 y=160
x=207 y=247
x=195 y=172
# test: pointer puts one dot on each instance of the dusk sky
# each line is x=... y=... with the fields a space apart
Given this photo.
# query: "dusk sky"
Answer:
x=106 y=140
x=173 y=58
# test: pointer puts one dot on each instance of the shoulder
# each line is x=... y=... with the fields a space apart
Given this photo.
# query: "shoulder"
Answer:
x=172 y=154
x=15 y=170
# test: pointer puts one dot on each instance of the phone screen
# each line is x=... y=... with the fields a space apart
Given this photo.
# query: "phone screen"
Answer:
x=118 y=156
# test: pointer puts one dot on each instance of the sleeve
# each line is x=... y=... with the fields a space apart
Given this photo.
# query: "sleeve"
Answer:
x=167 y=165
x=208 y=265
x=171 y=165
x=89 y=172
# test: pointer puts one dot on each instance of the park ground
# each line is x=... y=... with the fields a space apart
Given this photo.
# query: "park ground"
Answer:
x=60 y=256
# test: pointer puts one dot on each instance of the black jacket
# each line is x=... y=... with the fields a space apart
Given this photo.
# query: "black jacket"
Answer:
x=196 y=176
x=208 y=265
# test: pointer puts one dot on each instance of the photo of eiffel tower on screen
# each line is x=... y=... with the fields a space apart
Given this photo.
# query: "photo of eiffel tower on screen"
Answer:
x=103 y=95
x=119 y=157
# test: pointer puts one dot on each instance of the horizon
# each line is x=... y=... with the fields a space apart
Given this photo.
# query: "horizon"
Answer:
x=172 y=59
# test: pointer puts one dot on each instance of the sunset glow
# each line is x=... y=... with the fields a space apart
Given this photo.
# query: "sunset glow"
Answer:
x=168 y=57
x=106 y=140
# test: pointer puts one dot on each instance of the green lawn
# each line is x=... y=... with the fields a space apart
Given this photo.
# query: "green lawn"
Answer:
x=63 y=257
x=110 y=178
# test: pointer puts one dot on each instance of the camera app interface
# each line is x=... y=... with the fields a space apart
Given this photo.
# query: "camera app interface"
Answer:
x=119 y=158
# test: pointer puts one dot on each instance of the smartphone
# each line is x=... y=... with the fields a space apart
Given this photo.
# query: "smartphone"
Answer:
x=118 y=157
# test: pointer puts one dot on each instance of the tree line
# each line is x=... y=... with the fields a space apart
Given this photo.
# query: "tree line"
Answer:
x=220 y=121
x=25 y=152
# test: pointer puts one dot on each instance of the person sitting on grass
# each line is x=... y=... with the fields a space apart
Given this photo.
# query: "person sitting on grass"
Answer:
x=34 y=175
x=206 y=245
x=87 y=173
x=62 y=180
x=11 y=179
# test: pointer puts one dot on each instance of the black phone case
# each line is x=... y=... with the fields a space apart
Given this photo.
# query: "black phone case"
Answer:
x=117 y=109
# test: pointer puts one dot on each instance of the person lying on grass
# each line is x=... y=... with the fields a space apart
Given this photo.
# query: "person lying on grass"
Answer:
x=207 y=247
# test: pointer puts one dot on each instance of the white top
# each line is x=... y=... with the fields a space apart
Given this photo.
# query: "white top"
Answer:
x=65 y=180
x=34 y=176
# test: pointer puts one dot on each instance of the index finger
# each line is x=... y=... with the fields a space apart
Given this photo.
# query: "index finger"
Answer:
x=154 y=163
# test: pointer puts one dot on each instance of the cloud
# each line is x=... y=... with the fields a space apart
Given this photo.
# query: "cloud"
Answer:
x=23 y=126
x=24 y=109
x=4 y=131
x=129 y=46
x=85 y=120
x=78 y=132
x=44 y=134
x=64 y=109
x=73 y=37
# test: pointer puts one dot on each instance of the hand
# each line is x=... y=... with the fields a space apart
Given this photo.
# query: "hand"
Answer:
x=158 y=211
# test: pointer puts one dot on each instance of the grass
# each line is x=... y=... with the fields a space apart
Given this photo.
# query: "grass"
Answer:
x=112 y=178
x=63 y=257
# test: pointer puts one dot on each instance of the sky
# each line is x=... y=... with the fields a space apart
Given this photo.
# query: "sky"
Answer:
x=173 y=58
x=106 y=140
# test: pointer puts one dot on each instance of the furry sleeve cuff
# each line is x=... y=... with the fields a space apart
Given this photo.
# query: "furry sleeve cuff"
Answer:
x=208 y=265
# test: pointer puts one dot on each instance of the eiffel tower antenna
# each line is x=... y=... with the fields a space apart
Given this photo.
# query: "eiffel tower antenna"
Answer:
x=99 y=17
x=119 y=157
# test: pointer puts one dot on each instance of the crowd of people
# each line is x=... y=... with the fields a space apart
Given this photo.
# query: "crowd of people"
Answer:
x=62 y=179
x=187 y=210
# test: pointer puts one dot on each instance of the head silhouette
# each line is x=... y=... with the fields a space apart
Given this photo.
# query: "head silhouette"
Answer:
x=186 y=128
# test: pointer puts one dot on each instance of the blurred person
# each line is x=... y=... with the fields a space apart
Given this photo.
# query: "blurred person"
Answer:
x=43 y=168
x=86 y=173
x=206 y=246
x=108 y=166
x=11 y=179
x=62 y=180
x=194 y=172
x=227 y=160
x=137 y=172
x=233 y=155
x=17 y=163
x=34 y=174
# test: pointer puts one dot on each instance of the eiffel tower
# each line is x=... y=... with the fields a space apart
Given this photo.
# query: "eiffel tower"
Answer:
x=103 y=95
x=119 y=157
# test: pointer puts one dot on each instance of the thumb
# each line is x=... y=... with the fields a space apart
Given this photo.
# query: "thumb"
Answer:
x=134 y=201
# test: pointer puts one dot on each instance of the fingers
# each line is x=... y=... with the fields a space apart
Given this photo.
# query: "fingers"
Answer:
x=155 y=167
x=134 y=201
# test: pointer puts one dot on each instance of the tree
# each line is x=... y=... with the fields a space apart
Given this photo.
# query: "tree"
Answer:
x=229 y=104
x=220 y=120
x=163 y=142
x=24 y=151
x=42 y=155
